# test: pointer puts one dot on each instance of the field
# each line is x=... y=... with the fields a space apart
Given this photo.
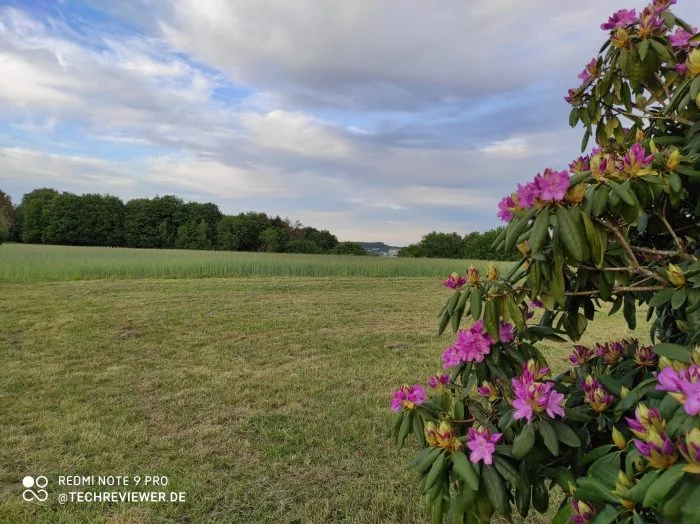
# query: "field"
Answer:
x=263 y=399
x=31 y=263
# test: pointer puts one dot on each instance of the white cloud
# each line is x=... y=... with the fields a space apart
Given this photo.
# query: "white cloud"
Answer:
x=296 y=132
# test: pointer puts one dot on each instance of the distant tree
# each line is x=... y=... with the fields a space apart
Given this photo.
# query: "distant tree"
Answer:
x=273 y=239
x=7 y=217
x=348 y=248
x=302 y=246
x=30 y=214
x=141 y=225
x=324 y=238
x=477 y=246
x=412 y=250
x=442 y=245
x=242 y=232
x=61 y=219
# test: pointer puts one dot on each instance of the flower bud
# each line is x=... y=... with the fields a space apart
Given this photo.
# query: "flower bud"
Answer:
x=620 y=38
x=492 y=272
x=652 y=146
x=524 y=247
x=623 y=392
x=697 y=100
x=575 y=194
x=693 y=62
x=689 y=446
x=623 y=483
x=674 y=160
x=619 y=439
x=473 y=276
x=639 y=135
x=676 y=275
x=431 y=434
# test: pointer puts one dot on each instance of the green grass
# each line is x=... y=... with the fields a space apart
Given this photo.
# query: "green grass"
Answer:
x=38 y=263
x=265 y=400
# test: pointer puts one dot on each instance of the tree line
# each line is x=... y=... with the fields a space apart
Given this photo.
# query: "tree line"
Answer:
x=46 y=216
x=473 y=246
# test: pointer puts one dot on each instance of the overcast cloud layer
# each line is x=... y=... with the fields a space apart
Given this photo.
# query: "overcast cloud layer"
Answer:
x=376 y=120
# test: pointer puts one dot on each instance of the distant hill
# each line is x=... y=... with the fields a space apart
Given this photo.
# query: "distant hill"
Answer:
x=380 y=248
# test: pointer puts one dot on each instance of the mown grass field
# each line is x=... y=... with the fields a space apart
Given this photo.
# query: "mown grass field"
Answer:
x=265 y=399
x=33 y=263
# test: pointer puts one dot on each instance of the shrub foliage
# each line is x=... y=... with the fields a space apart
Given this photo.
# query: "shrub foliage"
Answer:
x=619 y=431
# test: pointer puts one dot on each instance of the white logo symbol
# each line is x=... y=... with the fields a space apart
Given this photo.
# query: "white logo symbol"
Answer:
x=40 y=494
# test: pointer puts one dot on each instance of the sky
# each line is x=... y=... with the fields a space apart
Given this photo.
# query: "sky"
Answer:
x=378 y=120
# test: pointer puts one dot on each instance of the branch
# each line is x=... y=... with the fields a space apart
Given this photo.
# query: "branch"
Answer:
x=637 y=267
x=617 y=289
x=665 y=253
x=675 y=238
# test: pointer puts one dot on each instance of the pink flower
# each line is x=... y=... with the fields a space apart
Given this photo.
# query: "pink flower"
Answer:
x=636 y=159
x=620 y=18
x=535 y=398
x=583 y=513
x=662 y=5
x=482 y=444
x=507 y=207
x=681 y=69
x=408 y=397
x=683 y=385
x=473 y=343
x=454 y=281
x=527 y=194
x=580 y=165
x=681 y=38
x=438 y=381
x=595 y=395
x=505 y=332
x=580 y=356
x=553 y=185
x=450 y=357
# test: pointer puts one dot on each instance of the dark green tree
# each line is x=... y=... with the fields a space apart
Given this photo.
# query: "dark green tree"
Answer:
x=302 y=246
x=30 y=214
x=7 y=217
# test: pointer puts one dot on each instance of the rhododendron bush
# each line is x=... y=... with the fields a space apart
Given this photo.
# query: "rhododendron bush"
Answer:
x=619 y=430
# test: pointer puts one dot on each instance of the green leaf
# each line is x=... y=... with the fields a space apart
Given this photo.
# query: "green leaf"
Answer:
x=549 y=436
x=584 y=141
x=607 y=515
x=475 y=303
x=540 y=496
x=634 y=396
x=661 y=297
x=673 y=351
x=623 y=192
x=496 y=490
x=428 y=460
x=570 y=236
x=592 y=489
x=464 y=469
x=679 y=298
x=564 y=515
x=663 y=485
x=637 y=492
x=508 y=472
x=404 y=429
x=491 y=318
x=695 y=88
x=565 y=434
x=523 y=442
x=539 y=231
x=644 y=49
x=594 y=454
x=434 y=473
x=629 y=311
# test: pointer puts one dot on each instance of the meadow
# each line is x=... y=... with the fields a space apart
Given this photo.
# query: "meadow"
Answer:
x=32 y=263
x=263 y=399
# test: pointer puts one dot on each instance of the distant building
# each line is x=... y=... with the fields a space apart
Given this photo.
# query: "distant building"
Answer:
x=393 y=252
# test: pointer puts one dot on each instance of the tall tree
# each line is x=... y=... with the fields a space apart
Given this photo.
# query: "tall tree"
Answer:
x=7 y=217
x=30 y=214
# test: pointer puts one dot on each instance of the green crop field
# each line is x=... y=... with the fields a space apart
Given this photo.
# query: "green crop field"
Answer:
x=262 y=399
x=32 y=263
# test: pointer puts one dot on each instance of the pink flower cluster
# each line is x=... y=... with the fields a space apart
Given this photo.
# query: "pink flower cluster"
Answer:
x=683 y=385
x=482 y=444
x=610 y=352
x=550 y=186
x=438 y=381
x=454 y=281
x=595 y=395
x=580 y=356
x=621 y=18
x=533 y=397
x=408 y=397
x=471 y=344
x=636 y=159
x=681 y=38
